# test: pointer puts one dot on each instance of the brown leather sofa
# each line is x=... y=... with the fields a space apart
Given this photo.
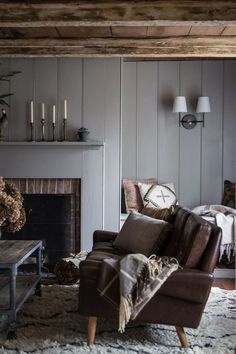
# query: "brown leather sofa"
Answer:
x=182 y=298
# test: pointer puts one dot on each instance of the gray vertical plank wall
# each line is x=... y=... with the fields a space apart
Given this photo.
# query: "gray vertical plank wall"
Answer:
x=93 y=119
x=19 y=128
x=229 y=121
x=46 y=81
x=190 y=142
x=146 y=119
x=129 y=120
x=211 y=156
x=70 y=89
x=112 y=144
x=198 y=160
x=5 y=88
x=168 y=137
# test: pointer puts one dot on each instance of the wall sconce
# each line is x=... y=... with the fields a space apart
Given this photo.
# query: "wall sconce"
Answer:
x=189 y=121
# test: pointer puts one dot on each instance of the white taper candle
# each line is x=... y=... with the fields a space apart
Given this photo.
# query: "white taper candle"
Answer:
x=54 y=114
x=65 y=109
x=32 y=112
x=43 y=111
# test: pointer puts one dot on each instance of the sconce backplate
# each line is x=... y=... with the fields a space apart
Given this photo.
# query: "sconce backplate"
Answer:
x=189 y=121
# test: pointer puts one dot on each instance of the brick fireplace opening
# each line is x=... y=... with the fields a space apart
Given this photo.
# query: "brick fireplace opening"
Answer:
x=52 y=214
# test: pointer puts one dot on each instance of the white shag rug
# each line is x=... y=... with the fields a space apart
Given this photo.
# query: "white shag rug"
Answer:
x=51 y=325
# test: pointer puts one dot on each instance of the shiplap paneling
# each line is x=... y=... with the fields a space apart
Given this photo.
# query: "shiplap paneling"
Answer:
x=70 y=88
x=168 y=137
x=146 y=119
x=112 y=145
x=19 y=129
x=129 y=120
x=5 y=87
x=93 y=119
x=211 y=152
x=46 y=91
x=189 y=184
x=229 y=124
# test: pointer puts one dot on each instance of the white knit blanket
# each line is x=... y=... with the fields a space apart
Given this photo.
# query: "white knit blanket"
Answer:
x=225 y=218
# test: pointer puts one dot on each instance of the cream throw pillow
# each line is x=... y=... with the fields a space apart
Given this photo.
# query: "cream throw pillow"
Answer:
x=158 y=195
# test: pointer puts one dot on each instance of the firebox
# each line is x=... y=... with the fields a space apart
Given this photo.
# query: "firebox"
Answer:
x=52 y=215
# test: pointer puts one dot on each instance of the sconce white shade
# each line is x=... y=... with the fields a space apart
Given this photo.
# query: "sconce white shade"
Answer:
x=179 y=104
x=203 y=105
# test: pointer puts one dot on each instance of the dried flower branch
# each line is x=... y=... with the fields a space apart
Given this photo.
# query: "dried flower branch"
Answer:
x=12 y=213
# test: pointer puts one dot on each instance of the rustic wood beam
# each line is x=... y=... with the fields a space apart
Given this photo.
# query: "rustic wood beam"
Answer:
x=113 y=13
x=181 y=47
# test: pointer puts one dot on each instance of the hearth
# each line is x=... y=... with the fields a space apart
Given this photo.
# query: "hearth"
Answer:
x=53 y=216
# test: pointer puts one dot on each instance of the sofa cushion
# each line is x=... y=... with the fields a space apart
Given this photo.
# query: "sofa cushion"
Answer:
x=142 y=234
x=133 y=199
x=191 y=243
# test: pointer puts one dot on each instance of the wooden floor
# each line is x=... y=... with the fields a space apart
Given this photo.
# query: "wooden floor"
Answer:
x=223 y=283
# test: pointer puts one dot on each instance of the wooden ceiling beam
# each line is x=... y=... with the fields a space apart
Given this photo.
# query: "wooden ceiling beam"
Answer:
x=116 y=13
x=181 y=47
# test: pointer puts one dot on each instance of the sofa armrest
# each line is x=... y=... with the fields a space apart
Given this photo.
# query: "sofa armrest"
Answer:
x=188 y=284
x=104 y=236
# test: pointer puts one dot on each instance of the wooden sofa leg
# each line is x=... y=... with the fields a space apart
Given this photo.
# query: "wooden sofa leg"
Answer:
x=92 y=324
x=182 y=336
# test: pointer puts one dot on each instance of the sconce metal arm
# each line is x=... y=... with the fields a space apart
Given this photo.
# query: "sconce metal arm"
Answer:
x=189 y=121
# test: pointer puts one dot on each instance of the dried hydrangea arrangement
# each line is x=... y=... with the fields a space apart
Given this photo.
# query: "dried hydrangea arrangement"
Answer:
x=12 y=213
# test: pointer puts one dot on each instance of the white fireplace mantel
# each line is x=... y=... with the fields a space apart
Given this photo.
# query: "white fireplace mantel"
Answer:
x=90 y=145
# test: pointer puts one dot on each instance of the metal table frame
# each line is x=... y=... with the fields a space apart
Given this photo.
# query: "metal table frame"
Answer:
x=14 y=307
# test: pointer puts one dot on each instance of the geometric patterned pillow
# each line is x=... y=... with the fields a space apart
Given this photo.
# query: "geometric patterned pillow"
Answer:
x=158 y=195
x=229 y=194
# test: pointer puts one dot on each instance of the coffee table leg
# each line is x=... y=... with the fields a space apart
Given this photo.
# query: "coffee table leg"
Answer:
x=12 y=316
x=12 y=332
x=38 y=290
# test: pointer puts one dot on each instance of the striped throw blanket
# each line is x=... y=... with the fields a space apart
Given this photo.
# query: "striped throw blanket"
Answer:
x=130 y=282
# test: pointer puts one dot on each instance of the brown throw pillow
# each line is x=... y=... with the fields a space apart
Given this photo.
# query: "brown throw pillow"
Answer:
x=142 y=234
x=229 y=194
x=133 y=199
x=166 y=214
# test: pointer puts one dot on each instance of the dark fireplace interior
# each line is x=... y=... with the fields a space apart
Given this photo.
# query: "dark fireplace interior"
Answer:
x=51 y=218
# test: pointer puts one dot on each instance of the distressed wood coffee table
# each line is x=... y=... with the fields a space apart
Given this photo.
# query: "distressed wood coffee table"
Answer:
x=15 y=288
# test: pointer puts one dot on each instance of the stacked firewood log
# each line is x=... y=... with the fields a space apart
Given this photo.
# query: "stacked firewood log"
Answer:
x=67 y=269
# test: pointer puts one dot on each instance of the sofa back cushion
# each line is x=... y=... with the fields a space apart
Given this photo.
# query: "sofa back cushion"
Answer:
x=189 y=240
x=142 y=234
x=194 y=241
x=180 y=217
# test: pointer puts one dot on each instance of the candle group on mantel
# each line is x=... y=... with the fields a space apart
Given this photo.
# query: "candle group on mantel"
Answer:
x=32 y=117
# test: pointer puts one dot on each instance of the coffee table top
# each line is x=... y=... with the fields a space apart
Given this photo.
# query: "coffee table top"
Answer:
x=14 y=252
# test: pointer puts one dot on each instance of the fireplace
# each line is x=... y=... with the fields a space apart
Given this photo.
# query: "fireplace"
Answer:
x=53 y=216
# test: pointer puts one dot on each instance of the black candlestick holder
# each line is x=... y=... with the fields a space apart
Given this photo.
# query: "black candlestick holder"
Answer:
x=31 y=131
x=64 y=129
x=43 y=129
x=53 y=131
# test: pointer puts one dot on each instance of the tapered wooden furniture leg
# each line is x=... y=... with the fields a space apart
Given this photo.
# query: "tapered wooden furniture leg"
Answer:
x=182 y=336
x=92 y=324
